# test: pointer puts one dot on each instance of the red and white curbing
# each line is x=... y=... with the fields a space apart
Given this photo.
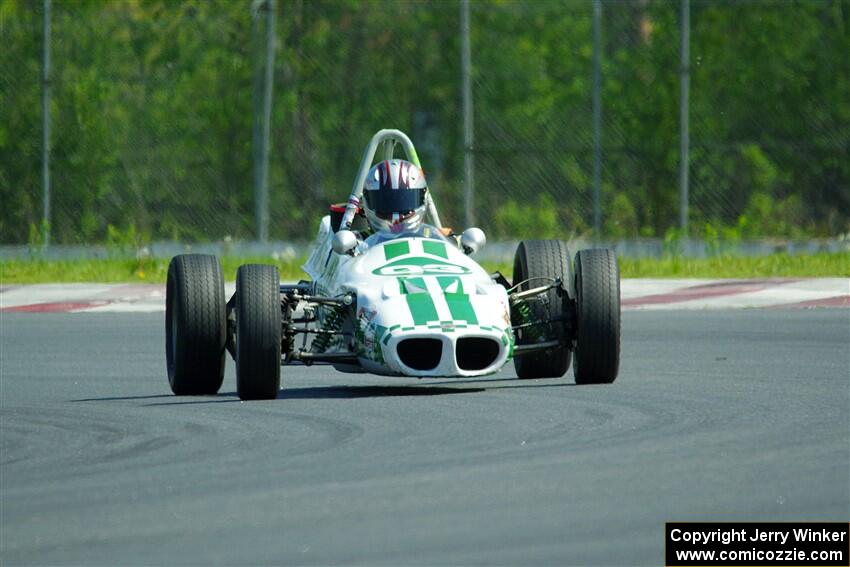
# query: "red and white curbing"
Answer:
x=735 y=294
x=90 y=298
x=641 y=294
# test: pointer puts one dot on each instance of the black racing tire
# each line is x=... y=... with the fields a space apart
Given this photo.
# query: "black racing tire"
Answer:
x=597 y=288
x=258 y=332
x=195 y=325
x=545 y=259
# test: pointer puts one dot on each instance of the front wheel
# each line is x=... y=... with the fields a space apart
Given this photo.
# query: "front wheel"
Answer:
x=597 y=288
x=195 y=325
x=258 y=332
x=538 y=263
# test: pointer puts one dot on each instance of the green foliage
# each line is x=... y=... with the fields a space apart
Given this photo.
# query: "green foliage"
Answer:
x=37 y=237
x=722 y=240
x=533 y=220
x=766 y=215
x=622 y=218
x=673 y=247
x=121 y=243
x=153 y=114
x=760 y=173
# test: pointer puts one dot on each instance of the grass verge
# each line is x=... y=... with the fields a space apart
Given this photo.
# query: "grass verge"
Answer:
x=121 y=270
x=772 y=266
x=154 y=270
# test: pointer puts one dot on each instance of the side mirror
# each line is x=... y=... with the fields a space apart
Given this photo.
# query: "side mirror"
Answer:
x=344 y=242
x=472 y=240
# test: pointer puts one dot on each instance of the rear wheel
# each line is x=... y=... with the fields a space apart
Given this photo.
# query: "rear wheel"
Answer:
x=597 y=285
x=258 y=332
x=539 y=262
x=195 y=325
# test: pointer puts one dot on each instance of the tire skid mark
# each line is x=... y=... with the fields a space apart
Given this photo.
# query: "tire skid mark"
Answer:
x=321 y=433
x=81 y=441
x=656 y=420
x=602 y=425
x=139 y=449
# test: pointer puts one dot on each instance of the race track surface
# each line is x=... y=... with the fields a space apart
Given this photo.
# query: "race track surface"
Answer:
x=720 y=415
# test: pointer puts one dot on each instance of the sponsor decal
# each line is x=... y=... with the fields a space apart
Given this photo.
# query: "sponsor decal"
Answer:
x=368 y=335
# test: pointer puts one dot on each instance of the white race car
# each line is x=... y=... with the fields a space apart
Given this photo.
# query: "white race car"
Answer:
x=412 y=305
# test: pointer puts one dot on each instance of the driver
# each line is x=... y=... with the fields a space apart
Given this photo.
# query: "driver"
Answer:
x=394 y=202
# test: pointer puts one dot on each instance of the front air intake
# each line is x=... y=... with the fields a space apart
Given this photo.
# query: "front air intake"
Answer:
x=476 y=353
x=420 y=354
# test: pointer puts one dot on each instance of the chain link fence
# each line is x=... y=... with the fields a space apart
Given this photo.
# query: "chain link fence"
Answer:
x=153 y=103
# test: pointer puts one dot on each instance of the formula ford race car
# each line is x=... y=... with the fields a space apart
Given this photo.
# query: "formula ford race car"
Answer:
x=413 y=305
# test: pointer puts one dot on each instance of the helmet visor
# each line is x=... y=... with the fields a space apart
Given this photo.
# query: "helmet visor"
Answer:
x=388 y=201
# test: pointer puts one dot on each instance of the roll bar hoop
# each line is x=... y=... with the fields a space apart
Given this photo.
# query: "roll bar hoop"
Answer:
x=389 y=137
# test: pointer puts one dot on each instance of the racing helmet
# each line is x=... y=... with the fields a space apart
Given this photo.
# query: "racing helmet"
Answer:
x=394 y=196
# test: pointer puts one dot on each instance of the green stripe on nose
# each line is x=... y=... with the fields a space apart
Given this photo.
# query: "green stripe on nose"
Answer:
x=461 y=308
x=413 y=285
x=450 y=284
x=393 y=249
x=422 y=308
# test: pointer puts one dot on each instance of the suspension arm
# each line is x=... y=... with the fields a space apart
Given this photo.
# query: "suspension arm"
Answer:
x=535 y=290
x=307 y=357
x=520 y=350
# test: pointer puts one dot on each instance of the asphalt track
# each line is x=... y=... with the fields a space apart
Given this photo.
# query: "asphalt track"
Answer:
x=721 y=415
